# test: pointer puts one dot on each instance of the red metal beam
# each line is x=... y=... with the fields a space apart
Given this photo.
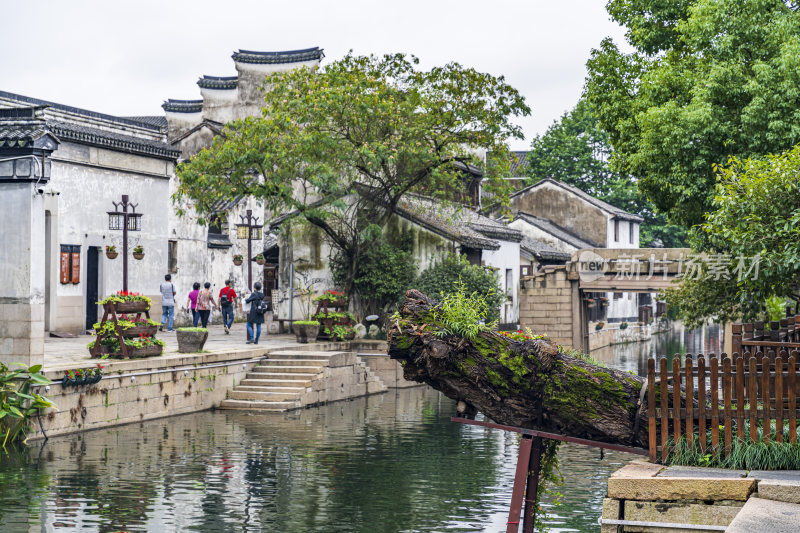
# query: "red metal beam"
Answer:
x=520 y=480
x=553 y=436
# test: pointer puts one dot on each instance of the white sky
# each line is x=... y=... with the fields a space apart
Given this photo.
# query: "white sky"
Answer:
x=127 y=57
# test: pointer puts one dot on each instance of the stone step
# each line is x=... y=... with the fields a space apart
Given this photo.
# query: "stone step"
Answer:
x=256 y=388
x=781 y=490
x=250 y=405
x=274 y=382
x=759 y=514
x=307 y=376
x=298 y=356
x=291 y=362
x=285 y=354
x=286 y=369
x=278 y=396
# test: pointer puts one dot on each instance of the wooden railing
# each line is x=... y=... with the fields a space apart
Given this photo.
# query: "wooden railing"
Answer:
x=728 y=395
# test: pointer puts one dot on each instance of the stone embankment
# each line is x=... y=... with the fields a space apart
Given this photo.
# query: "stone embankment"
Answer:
x=646 y=497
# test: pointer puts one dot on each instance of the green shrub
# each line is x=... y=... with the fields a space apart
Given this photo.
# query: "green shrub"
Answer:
x=200 y=330
x=443 y=278
x=306 y=323
x=18 y=404
x=463 y=314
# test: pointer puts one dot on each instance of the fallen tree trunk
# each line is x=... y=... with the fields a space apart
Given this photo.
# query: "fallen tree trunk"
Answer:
x=529 y=384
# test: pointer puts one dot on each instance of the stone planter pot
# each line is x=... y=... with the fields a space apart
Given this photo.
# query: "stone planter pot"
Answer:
x=305 y=332
x=237 y=262
x=146 y=330
x=191 y=341
x=139 y=255
x=112 y=255
x=131 y=307
x=147 y=351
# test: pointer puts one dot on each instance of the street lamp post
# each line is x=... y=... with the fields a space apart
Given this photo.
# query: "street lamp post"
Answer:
x=126 y=222
x=249 y=229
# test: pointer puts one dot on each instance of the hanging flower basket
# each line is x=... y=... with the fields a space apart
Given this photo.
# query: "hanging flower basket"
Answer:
x=604 y=302
x=238 y=259
x=590 y=303
x=138 y=252
x=260 y=259
x=111 y=252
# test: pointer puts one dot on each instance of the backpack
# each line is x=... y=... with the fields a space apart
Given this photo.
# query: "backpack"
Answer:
x=262 y=307
x=223 y=298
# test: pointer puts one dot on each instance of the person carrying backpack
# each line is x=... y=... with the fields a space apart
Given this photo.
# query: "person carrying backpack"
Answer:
x=226 y=298
x=258 y=308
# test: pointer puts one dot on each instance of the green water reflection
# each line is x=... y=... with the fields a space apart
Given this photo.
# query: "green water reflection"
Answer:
x=387 y=463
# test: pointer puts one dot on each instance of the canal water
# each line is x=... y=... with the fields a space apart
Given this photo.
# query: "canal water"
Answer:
x=387 y=463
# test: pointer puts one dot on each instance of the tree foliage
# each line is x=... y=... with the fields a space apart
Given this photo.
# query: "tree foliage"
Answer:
x=576 y=151
x=369 y=128
x=756 y=212
x=384 y=272
x=707 y=79
x=453 y=273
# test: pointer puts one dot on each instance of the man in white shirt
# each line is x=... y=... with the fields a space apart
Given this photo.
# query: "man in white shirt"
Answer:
x=167 y=303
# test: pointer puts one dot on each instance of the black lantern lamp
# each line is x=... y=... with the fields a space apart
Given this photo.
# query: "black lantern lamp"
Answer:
x=249 y=229
x=121 y=219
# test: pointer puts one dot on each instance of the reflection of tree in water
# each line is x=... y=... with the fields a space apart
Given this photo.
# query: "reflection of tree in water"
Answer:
x=390 y=476
x=23 y=484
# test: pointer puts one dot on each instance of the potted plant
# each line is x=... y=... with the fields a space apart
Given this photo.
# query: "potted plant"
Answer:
x=332 y=299
x=604 y=301
x=238 y=259
x=145 y=346
x=306 y=330
x=623 y=325
x=134 y=326
x=590 y=302
x=599 y=326
x=191 y=340
x=260 y=259
x=111 y=251
x=138 y=252
x=127 y=302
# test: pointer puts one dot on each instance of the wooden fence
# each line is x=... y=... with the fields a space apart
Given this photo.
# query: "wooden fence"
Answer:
x=728 y=395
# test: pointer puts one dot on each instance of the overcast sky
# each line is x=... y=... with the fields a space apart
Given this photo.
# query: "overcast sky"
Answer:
x=126 y=58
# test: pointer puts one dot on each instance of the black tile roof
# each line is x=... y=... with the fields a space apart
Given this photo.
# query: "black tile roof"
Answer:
x=553 y=229
x=21 y=127
x=124 y=143
x=605 y=206
x=77 y=110
x=289 y=56
x=519 y=163
x=218 y=82
x=151 y=120
x=542 y=251
x=183 y=106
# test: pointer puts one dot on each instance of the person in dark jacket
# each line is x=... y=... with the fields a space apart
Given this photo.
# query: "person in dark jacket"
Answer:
x=254 y=318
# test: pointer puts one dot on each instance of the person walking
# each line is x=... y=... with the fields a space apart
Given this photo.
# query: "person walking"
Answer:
x=167 y=303
x=255 y=316
x=205 y=302
x=191 y=303
x=226 y=298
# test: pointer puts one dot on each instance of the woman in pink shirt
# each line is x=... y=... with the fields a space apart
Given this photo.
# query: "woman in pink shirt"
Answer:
x=191 y=303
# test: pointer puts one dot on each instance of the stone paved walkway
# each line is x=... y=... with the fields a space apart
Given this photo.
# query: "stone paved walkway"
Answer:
x=63 y=353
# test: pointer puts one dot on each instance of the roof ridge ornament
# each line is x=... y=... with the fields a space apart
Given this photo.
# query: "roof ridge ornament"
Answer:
x=287 y=56
x=182 y=106
x=218 y=82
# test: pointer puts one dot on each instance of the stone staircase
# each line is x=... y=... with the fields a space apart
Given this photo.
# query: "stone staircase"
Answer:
x=287 y=379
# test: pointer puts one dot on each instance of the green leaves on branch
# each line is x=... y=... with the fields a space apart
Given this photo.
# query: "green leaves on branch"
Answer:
x=18 y=403
x=756 y=212
x=463 y=314
x=707 y=79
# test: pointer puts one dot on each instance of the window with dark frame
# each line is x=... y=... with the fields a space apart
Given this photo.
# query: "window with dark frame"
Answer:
x=70 y=271
x=218 y=224
x=172 y=256
x=616 y=230
x=631 y=226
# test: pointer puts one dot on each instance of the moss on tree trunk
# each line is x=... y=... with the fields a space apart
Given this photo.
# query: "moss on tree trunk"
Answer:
x=519 y=383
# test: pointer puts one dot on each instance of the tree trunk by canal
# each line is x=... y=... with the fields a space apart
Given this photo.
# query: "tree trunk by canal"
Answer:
x=532 y=384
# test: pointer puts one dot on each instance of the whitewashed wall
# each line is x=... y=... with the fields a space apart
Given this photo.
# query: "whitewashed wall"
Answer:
x=506 y=258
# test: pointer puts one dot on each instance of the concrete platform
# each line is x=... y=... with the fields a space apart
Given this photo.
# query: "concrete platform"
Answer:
x=769 y=516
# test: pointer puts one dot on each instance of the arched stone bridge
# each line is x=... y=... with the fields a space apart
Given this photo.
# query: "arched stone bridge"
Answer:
x=552 y=302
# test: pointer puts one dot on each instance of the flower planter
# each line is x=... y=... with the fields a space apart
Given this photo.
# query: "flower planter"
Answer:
x=138 y=255
x=112 y=255
x=191 y=341
x=350 y=336
x=590 y=305
x=237 y=262
x=132 y=307
x=147 y=351
x=261 y=261
x=305 y=332
x=146 y=330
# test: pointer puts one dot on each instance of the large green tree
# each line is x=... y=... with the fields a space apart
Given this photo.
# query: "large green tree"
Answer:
x=340 y=145
x=751 y=242
x=707 y=79
x=576 y=151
